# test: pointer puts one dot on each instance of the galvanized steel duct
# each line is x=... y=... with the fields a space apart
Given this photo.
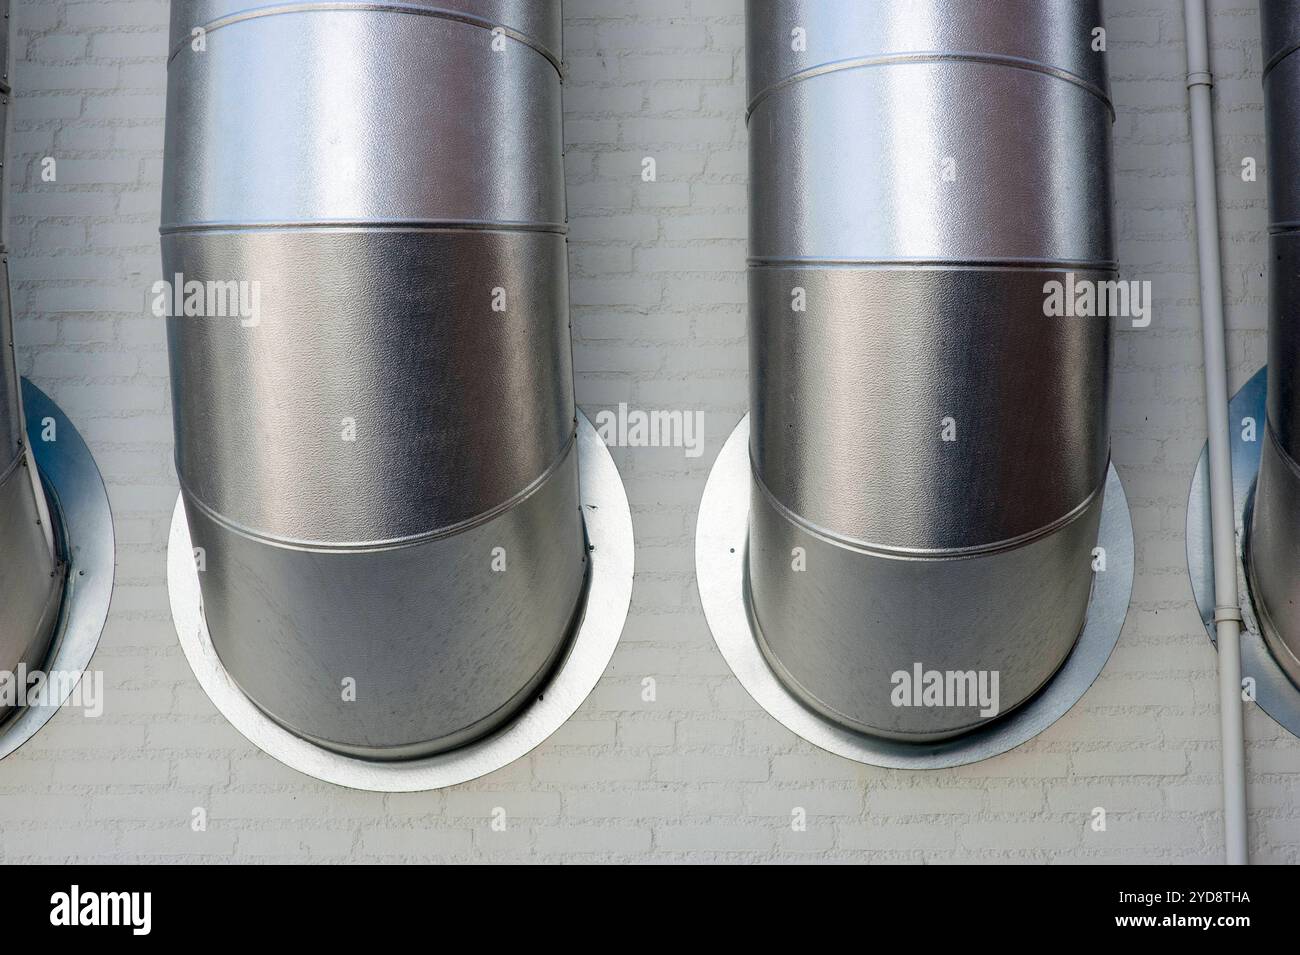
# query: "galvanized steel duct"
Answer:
x=1273 y=544
x=919 y=172
x=31 y=572
x=390 y=175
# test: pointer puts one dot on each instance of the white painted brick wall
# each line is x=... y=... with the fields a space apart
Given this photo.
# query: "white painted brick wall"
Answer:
x=658 y=312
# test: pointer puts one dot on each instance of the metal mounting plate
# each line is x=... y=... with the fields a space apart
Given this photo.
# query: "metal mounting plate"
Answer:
x=1274 y=692
x=720 y=545
x=609 y=532
x=79 y=502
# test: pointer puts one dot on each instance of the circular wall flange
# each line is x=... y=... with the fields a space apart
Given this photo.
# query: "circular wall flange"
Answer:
x=1274 y=692
x=720 y=555
x=608 y=523
x=79 y=503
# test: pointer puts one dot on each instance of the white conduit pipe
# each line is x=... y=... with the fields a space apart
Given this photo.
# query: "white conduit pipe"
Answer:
x=1227 y=612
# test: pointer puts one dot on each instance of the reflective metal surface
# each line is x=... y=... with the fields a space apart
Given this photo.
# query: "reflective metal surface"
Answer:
x=608 y=523
x=378 y=467
x=1273 y=689
x=929 y=449
x=721 y=560
x=1273 y=549
x=31 y=570
x=79 y=510
x=849 y=138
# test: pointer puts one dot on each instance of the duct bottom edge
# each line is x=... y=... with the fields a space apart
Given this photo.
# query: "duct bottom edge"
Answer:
x=1272 y=554
x=31 y=580
x=400 y=652
x=722 y=562
x=916 y=649
x=73 y=594
x=603 y=526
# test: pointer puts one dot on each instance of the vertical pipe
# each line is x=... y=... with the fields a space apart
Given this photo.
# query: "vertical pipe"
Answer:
x=376 y=449
x=929 y=441
x=1227 y=614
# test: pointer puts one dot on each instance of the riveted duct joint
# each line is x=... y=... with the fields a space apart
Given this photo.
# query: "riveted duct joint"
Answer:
x=380 y=460
x=929 y=451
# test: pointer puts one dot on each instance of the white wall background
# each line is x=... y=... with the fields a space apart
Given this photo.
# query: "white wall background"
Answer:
x=658 y=294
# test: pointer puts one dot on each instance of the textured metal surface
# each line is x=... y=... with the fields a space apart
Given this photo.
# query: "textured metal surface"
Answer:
x=389 y=175
x=918 y=176
x=1281 y=41
x=1261 y=661
x=1273 y=553
x=79 y=506
x=721 y=562
x=608 y=522
x=31 y=571
x=4 y=50
x=848 y=139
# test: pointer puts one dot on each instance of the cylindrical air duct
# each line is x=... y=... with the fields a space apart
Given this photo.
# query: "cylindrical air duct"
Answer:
x=31 y=572
x=1273 y=544
x=929 y=447
x=376 y=451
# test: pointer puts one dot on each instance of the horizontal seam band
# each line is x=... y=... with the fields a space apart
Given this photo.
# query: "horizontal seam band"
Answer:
x=369 y=6
x=1278 y=57
x=1055 y=265
x=8 y=470
x=397 y=543
x=375 y=225
x=897 y=59
x=930 y=553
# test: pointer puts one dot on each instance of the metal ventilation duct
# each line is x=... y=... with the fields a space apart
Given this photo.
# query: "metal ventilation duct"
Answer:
x=929 y=445
x=379 y=467
x=31 y=573
x=1273 y=545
